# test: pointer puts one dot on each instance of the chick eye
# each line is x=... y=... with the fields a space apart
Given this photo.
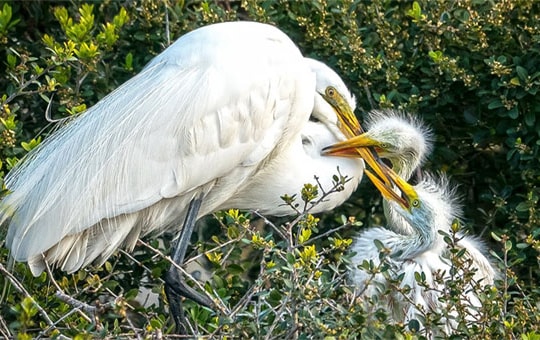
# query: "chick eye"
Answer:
x=330 y=91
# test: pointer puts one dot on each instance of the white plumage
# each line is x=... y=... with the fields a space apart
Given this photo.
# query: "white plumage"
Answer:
x=224 y=112
x=424 y=251
x=406 y=141
x=412 y=237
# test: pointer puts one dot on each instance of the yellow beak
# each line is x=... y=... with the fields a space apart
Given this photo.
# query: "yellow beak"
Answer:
x=348 y=148
x=348 y=123
x=408 y=198
x=359 y=146
x=351 y=128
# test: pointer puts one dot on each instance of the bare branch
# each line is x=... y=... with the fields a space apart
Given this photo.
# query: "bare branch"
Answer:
x=221 y=305
x=20 y=288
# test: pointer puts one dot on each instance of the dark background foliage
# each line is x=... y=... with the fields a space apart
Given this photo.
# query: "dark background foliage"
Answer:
x=469 y=68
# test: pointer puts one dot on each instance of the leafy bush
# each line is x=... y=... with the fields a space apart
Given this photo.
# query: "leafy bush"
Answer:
x=468 y=68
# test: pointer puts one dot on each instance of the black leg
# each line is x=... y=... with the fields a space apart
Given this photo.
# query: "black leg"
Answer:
x=175 y=285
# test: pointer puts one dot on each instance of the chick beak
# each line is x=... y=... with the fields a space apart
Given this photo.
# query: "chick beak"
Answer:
x=387 y=191
x=359 y=146
x=351 y=128
x=408 y=194
x=348 y=148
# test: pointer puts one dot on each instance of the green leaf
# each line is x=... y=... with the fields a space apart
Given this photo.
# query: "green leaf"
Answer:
x=156 y=323
x=496 y=237
x=530 y=118
x=128 y=64
x=235 y=269
x=523 y=206
x=436 y=56
x=11 y=61
x=27 y=146
x=290 y=258
x=415 y=12
x=108 y=267
x=513 y=112
x=522 y=73
x=495 y=104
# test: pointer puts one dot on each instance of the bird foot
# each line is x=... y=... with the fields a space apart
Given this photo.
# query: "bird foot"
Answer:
x=176 y=288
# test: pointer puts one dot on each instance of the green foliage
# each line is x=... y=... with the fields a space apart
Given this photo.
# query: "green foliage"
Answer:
x=469 y=68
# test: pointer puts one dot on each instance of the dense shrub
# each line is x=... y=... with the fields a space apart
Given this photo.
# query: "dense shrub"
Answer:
x=469 y=68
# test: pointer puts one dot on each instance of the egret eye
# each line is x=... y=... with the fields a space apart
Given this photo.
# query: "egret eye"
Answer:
x=384 y=146
x=415 y=203
x=330 y=91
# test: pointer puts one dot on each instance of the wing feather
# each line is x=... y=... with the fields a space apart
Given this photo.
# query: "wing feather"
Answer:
x=218 y=99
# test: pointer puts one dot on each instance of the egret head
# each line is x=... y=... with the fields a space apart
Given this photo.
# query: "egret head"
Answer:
x=397 y=136
x=400 y=137
x=438 y=205
x=334 y=104
x=334 y=107
x=431 y=204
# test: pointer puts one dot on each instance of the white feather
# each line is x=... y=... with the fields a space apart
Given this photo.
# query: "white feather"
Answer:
x=209 y=114
x=420 y=248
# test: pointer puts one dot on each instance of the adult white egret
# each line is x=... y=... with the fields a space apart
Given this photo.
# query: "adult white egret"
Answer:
x=229 y=116
x=405 y=141
x=429 y=207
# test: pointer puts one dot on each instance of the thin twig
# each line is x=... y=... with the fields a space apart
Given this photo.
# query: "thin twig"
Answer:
x=62 y=318
x=229 y=252
x=93 y=311
x=4 y=329
x=278 y=313
x=167 y=25
x=27 y=83
x=128 y=255
x=268 y=222
x=221 y=306
x=49 y=272
x=223 y=245
x=326 y=233
x=20 y=288
x=133 y=328
x=369 y=97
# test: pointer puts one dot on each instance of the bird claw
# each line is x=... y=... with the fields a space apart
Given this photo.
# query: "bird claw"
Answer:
x=176 y=288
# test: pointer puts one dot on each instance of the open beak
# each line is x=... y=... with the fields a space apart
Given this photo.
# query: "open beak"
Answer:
x=408 y=194
x=351 y=128
x=359 y=146
x=348 y=148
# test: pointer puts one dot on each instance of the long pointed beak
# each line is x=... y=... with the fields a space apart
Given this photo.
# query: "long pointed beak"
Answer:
x=348 y=148
x=408 y=198
x=387 y=192
x=348 y=123
x=359 y=146
x=351 y=128
x=407 y=191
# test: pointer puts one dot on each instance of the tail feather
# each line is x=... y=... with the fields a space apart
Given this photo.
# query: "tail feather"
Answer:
x=73 y=251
